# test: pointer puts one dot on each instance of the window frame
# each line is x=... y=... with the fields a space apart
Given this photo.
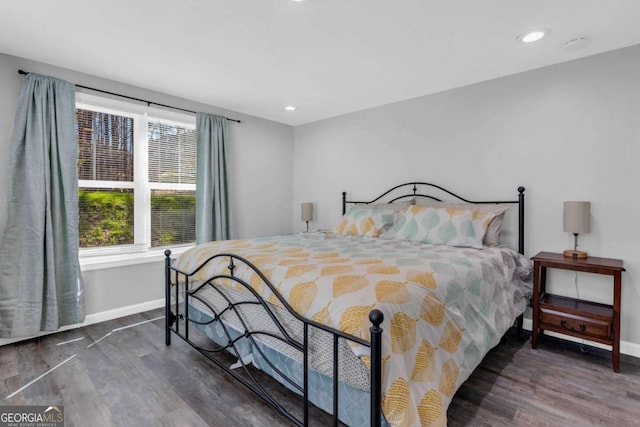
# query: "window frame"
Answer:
x=141 y=115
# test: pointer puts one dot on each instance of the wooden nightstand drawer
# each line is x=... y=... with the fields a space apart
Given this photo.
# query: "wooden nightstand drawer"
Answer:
x=571 y=324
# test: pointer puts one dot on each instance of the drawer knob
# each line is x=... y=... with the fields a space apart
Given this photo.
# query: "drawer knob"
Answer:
x=580 y=327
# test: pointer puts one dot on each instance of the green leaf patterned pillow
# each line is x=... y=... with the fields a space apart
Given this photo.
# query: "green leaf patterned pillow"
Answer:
x=366 y=221
x=441 y=226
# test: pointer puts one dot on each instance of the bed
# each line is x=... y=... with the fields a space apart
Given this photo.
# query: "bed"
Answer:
x=377 y=322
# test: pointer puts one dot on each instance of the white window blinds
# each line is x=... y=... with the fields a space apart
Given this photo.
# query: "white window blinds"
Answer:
x=105 y=146
x=172 y=153
x=172 y=162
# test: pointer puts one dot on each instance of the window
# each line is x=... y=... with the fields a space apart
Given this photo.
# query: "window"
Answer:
x=137 y=177
x=172 y=180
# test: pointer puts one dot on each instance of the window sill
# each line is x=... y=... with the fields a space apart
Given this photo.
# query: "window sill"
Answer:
x=99 y=262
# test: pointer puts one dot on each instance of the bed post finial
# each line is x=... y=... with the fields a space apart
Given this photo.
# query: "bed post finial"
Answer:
x=344 y=202
x=376 y=317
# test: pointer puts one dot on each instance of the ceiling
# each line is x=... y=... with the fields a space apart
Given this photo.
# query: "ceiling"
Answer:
x=326 y=57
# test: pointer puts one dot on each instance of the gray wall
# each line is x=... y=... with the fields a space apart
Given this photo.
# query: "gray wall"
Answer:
x=565 y=132
x=261 y=180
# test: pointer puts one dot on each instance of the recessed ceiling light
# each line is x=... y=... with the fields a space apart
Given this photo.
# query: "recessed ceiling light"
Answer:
x=533 y=36
x=290 y=108
x=576 y=43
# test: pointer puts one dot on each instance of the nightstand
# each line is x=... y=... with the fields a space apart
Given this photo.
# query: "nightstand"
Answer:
x=570 y=316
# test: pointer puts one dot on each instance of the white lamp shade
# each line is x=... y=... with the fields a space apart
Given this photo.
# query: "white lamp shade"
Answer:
x=307 y=211
x=575 y=217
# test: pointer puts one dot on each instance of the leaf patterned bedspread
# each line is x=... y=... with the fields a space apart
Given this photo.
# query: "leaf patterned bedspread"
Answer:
x=444 y=307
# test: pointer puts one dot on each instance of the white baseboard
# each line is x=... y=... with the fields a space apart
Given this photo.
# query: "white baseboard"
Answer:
x=102 y=316
x=121 y=312
x=626 y=347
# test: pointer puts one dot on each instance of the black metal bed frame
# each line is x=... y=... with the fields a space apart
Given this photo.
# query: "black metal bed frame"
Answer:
x=415 y=194
x=174 y=318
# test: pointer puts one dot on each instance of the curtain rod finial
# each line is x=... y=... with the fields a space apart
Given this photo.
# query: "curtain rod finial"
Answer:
x=24 y=73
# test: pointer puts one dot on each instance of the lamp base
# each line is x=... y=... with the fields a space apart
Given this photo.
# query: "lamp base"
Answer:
x=571 y=253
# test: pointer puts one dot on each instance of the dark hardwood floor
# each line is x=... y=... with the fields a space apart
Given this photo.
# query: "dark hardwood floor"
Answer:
x=130 y=378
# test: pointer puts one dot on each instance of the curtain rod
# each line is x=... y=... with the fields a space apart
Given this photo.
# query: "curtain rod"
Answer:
x=135 y=99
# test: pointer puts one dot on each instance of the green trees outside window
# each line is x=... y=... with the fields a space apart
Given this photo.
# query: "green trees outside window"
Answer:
x=106 y=217
x=173 y=217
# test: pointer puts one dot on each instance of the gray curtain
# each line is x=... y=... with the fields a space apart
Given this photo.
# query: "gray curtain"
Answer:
x=213 y=219
x=40 y=283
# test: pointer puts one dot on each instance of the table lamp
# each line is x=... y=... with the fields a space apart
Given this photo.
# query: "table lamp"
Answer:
x=575 y=219
x=307 y=213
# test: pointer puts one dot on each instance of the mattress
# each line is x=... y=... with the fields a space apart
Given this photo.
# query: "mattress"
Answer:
x=282 y=361
x=444 y=307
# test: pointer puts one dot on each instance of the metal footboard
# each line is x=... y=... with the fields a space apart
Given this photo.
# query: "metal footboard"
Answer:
x=177 y=321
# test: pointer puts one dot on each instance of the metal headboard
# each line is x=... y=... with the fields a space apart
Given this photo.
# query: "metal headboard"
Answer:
x=426 y=187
